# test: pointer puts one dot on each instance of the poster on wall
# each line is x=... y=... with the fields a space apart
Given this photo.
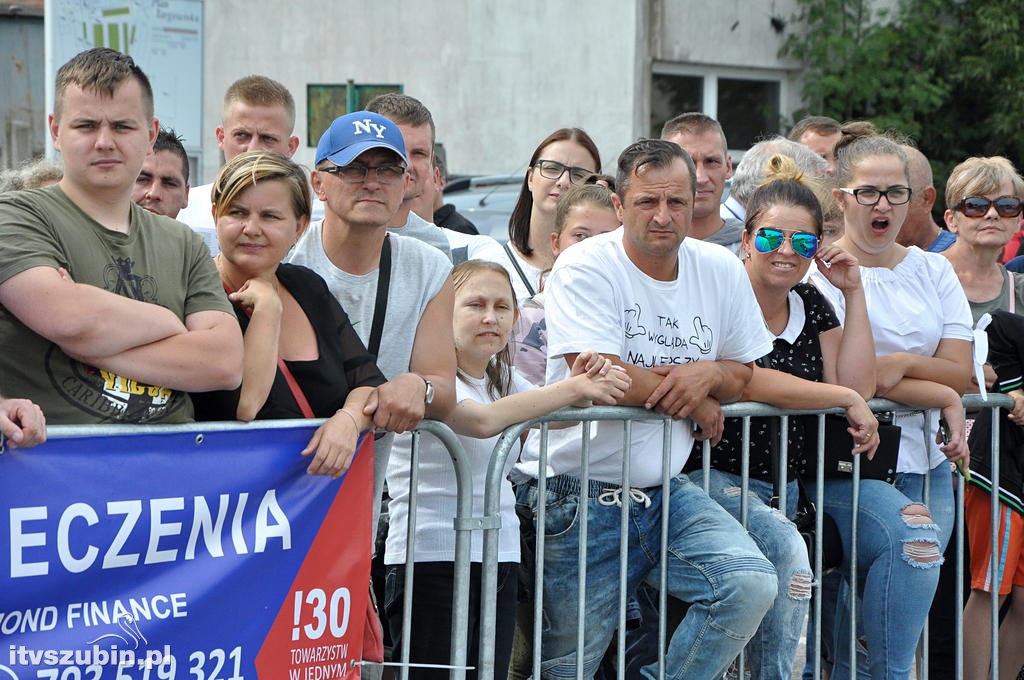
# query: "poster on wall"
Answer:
x=165 y=37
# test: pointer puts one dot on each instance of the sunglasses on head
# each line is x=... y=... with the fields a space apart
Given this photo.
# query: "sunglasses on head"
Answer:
x=977 y=206
x=803 y=243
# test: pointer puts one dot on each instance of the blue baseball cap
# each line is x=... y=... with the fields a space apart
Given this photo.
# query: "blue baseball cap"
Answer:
x=356 y=132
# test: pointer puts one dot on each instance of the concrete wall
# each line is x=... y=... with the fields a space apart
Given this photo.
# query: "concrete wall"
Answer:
x=497 y=76
x=21 y=87
x=733 y=38
x=727 y=33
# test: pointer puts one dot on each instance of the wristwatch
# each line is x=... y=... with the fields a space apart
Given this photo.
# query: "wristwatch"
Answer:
x=428 y=395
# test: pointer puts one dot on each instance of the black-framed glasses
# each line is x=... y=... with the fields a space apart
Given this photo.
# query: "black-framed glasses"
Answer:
x=977 y=206
x=354 y=173
x=897 y=195
x=554 y=170
x=803 y=243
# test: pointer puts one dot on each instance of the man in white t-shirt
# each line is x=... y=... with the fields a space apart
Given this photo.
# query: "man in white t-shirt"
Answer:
x=258 y=115
x=679 y=315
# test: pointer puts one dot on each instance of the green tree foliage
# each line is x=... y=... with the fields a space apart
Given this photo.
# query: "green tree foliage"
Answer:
x=948 y=74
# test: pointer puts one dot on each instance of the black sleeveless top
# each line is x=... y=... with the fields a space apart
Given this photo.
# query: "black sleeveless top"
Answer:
x=343 y=363
x=801 y=358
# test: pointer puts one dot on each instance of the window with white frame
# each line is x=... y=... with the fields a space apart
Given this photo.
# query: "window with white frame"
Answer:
x=747 y=103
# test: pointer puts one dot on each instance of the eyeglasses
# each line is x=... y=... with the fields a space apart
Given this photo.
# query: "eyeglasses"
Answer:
x=803 y=243
x=554 y=170
x=871 y=195
x=356 y=173
x=977 y=206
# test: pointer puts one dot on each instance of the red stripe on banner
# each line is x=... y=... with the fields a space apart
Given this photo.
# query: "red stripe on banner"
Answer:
x=318 y=631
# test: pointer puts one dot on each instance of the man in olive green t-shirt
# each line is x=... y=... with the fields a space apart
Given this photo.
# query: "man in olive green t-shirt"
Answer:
x=108 y=313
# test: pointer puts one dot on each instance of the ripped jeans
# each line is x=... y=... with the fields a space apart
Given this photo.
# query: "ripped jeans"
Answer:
x=899 y=551
x=774 y=645
x=710 y=563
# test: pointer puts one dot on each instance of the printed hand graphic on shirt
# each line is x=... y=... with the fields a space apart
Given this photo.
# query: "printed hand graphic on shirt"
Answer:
x=633 y=316
x=702 y=338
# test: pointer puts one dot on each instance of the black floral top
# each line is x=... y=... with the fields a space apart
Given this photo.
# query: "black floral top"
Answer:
x=797 y=351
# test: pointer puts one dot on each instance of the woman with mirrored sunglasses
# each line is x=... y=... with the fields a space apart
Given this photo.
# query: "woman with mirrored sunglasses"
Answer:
x=921 y=327
x=813 y=365
x=566 y=158
x=983 y=199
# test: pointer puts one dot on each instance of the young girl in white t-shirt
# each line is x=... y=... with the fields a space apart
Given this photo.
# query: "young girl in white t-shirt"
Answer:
x=490 y=397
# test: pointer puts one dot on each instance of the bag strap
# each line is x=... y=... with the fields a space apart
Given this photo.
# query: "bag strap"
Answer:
x=519 y=270
x=1011 y=292
x=293 y=384
x=380 y=305
x=297 y=393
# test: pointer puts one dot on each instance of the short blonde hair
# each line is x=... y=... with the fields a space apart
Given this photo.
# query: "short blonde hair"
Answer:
x=246 y=169
x=259 y=91
x=981 y=175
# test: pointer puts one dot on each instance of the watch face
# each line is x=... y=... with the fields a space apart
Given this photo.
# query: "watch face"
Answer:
x=428 y=396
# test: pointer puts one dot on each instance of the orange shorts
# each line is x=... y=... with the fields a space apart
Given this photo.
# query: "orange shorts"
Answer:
x=978 y=518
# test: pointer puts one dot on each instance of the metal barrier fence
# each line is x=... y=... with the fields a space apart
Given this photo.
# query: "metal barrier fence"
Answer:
x=745 y=411
x=489 y=523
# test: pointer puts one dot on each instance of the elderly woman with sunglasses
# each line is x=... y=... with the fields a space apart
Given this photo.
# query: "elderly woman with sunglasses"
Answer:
x=813 y=364
x=983 y=198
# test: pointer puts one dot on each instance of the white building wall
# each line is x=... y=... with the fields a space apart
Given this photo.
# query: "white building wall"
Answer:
x=728 y=33
x=731 y=38
x=497 y=76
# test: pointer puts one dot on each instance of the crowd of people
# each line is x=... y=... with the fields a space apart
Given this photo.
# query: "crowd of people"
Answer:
x=820 y=282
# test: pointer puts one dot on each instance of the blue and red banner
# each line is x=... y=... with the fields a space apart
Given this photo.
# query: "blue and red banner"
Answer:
x=209 y=556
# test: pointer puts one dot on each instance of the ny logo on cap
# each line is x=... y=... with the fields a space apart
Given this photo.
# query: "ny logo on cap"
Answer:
x=368 y=127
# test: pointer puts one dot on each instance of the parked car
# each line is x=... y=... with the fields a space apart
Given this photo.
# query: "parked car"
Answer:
x=487 y=202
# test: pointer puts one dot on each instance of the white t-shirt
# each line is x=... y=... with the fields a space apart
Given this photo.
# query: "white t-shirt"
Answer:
x=436 y=497
x=477 y=247
x=912 y=307
x=198 y=214
x=597 y=299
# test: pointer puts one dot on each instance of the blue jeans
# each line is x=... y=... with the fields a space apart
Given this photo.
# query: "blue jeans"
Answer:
x=774 y=646
x=710 y=562
x=897 y=569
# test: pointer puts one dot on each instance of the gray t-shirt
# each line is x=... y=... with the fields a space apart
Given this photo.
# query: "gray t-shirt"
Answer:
x=418 y=272
x=1002 y=301
x=729 y=235
x=418 y=228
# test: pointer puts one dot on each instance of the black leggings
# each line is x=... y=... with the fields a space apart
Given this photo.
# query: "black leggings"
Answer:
x=431 y=630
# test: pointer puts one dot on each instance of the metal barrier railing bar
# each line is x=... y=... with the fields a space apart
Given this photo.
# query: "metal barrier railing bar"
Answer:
x=511 y=437
x=489 y=523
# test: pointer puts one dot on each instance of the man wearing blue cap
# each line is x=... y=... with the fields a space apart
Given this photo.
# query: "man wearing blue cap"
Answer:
x=394 y=288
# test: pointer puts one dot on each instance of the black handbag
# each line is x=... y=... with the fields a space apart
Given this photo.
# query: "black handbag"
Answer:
x=839 y=459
